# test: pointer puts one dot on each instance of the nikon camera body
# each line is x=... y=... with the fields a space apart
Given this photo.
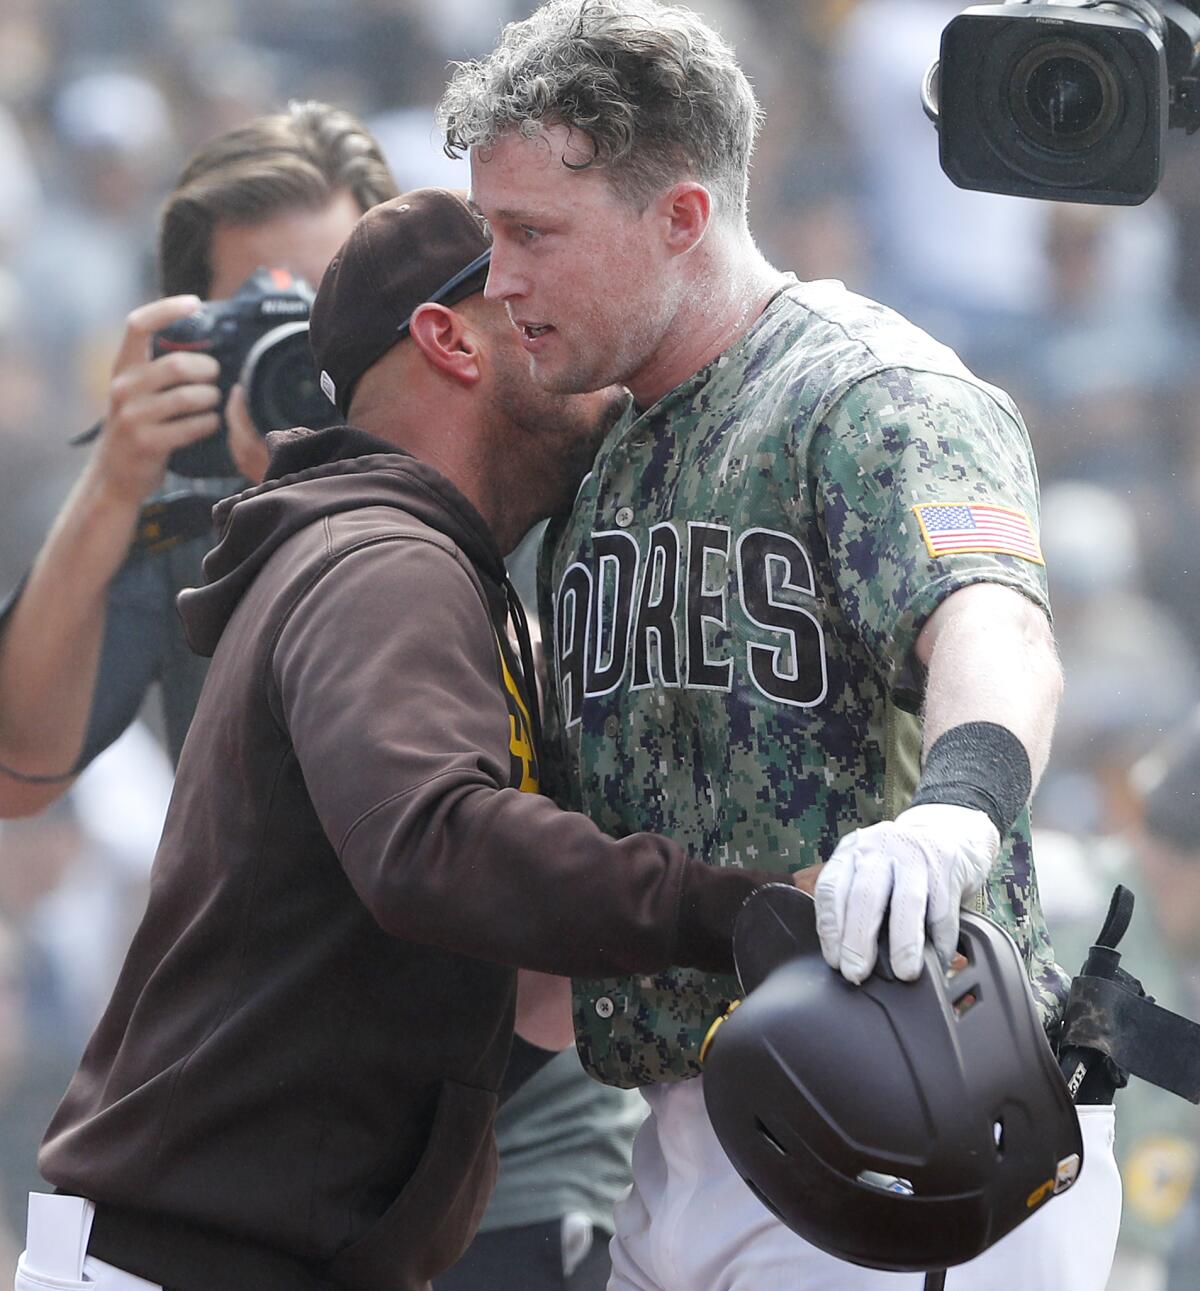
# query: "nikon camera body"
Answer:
x=259 y=336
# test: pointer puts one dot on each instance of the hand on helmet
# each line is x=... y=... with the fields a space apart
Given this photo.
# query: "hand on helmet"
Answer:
x=923 y=865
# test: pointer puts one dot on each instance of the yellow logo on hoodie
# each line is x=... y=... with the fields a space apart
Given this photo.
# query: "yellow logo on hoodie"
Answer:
x=524 y=772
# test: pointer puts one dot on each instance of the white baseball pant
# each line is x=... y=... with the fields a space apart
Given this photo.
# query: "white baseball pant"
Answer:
x=690 y=1223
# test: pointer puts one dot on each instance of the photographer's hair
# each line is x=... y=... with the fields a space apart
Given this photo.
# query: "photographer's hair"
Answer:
x=657 y=92
x=299 y=158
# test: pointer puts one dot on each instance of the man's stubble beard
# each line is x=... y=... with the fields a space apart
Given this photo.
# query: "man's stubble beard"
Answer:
x=566 y=455
x=557 y=435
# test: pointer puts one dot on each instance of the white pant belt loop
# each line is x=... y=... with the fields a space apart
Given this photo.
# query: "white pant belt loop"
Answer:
x=55 y=1256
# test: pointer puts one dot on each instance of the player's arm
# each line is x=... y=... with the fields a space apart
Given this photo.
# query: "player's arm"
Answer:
x=936 y=490
x=990 y=657
x=544 y=1010
x=401 y=730
x=992 y=691
x=51 y=640
x=544 y=1016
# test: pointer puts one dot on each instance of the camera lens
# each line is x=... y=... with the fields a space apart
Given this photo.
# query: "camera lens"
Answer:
x=282 y=388
x=1063 y=96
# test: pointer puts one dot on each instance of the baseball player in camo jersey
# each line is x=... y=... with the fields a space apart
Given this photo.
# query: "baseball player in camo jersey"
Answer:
x=798 y=610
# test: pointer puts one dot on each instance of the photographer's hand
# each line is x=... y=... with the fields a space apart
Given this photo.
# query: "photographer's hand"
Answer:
x=246 y=446
x=50 y=644
x=154 y=406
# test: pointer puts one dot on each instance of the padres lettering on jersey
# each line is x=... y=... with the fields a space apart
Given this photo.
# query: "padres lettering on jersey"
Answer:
x=733 y=602
x=659 y=618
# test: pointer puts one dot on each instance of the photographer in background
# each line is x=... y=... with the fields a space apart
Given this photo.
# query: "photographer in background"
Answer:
x=93 y=626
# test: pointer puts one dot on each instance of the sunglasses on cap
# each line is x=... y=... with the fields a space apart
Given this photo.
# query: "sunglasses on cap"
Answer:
x=451 y=285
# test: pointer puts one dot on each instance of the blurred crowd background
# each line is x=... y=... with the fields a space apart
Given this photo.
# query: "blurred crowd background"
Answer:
x=1090 y=317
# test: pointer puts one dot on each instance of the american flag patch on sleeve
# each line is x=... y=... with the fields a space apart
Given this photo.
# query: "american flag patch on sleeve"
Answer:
x=958 y=528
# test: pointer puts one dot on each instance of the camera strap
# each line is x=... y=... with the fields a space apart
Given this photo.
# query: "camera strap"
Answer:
x=167 y=521
x=86 y=436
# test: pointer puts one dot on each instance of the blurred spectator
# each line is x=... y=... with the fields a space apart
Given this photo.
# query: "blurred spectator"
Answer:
x=87 y=262
x=72 y=889
x=412 y=144
x=26 y=51
x=1109 y=347
x=1171 y=516
x=1115 y=701
x=14 y=1051
x=21 y=192
x=1157 y=856
x=1181 y=190
x=84 y=924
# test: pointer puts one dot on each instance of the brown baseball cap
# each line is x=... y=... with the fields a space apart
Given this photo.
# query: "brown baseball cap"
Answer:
x=423 y=246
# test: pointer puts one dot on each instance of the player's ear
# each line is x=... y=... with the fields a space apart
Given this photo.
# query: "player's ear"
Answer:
x=684 y=211
x=447 y=342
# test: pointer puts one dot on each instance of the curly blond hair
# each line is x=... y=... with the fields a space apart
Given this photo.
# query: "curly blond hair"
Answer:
x=656 y=91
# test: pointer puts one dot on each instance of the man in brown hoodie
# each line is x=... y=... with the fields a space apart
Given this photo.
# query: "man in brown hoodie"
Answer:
x=293 y=1086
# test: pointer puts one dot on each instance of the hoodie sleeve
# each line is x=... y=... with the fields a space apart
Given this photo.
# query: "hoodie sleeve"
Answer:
x=388 y=682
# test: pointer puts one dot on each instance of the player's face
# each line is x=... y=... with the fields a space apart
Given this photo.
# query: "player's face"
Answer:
x=581 y=272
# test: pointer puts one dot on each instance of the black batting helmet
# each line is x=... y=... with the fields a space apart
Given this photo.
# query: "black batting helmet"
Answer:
x=898 y=1125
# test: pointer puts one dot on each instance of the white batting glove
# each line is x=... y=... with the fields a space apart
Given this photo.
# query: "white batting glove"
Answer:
x=926 y=863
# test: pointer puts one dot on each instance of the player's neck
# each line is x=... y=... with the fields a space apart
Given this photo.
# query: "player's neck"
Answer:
x=724 y=305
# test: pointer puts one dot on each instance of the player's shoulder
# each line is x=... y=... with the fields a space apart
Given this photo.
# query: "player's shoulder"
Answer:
x=828 y=336
x=867 y=326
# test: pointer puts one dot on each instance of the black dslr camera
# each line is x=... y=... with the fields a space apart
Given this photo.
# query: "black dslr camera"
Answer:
x=1068 y=100
x=260 y=338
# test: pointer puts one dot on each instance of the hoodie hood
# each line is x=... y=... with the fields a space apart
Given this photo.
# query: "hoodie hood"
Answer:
x=314 y=474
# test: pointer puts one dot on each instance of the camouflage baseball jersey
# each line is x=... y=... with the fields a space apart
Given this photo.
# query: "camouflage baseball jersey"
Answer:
x=732 y=606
